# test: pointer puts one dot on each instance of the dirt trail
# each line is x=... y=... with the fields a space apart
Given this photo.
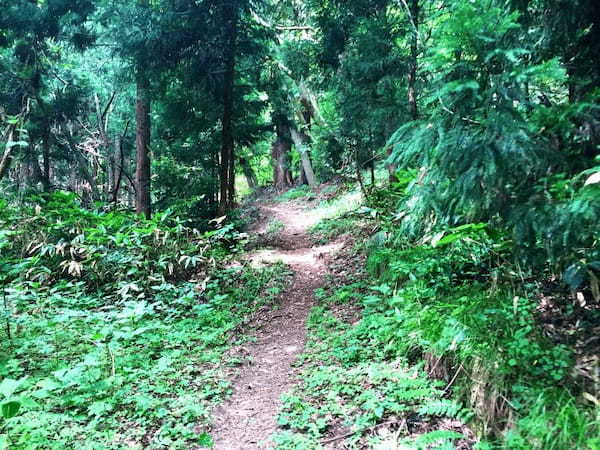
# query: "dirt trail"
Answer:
x=250 y=416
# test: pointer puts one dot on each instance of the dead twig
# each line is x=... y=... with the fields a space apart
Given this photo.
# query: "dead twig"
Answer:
x=371 y=428
x=452 y=380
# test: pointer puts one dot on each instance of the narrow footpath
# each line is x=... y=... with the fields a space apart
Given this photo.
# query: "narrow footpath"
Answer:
x=249 y=418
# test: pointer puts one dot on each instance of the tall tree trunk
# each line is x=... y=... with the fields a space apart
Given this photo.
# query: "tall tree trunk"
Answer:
x=391 y=167
x=372 y=167
x=8 y=152
x=414 y=53
x=280 y=152
x=300 y=143
x=36 y=174
x=302 y=139
x=249 y=173
x=359 y=175
x=413 y=107
x=119 y=160
x=142 y=143
x=46 y=160
x=227 y=172
x=214 y=195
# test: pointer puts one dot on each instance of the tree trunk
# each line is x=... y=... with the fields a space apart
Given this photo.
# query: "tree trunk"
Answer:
x=227 y=172
x=214 y=195
x=119 y=160
x=8 y=151
x=372 y=167
x=391 y=168
x=142 y=143
x=249 y=173
x=280 y=152
x=359 y=177
x=301 y=139
x=46 y=160
x=414 y=53
x=35 y=171
x=300 y=143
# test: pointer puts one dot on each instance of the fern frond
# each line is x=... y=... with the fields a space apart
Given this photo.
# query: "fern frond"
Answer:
x=446 y=408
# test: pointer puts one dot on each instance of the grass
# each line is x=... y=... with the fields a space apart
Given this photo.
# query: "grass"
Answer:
x=295 y=193
x=326 y=229
x=334 y=218
x=344 y=203
x=275 y=226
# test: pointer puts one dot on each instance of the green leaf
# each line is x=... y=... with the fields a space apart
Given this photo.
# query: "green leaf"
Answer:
x=10 y=409
x=205 y=440
x=17 y=144
x=99 y=408
x=9 y=386
x=575 y=275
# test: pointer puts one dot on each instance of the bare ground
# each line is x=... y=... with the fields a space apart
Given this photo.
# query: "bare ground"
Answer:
x=250 y=416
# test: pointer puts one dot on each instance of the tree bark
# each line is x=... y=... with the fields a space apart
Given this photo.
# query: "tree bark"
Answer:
x=142 y=143
x=36 y=171
x=280 y=152
x=8 y=151
x=227 y=171
x=301 y=139
x=300 y=143
x=391 y=167
x=249 y=173
x=46 y=160
x=414 y=53
x=117 y=169
x=359 y=177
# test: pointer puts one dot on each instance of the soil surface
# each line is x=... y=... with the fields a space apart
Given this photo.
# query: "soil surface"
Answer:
x=249 y=418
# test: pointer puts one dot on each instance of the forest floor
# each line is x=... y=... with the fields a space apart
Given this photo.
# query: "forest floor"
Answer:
x=249 y=417
x=311 y=376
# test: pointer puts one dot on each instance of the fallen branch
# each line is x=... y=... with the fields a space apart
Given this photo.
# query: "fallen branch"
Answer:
x=453 y=379
x=374 y=427
x=296 y=27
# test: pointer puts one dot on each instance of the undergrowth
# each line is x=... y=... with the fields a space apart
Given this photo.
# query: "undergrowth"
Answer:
x=295 y=193
x=457 y=300
x=115 y=328
x=351 y=391
x=454 y=306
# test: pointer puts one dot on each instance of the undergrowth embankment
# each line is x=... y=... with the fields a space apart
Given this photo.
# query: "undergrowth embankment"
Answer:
x=445 y=341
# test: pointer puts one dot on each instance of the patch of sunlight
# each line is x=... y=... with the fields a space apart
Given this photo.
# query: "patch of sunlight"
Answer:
x=242 y=190
x=339 y=206
x=309 y=257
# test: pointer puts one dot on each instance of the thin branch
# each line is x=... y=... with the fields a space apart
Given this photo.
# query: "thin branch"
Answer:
x=452 y=380
x=295 y=28
x=374 y=427
x=412 y=20
x=103 y=116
